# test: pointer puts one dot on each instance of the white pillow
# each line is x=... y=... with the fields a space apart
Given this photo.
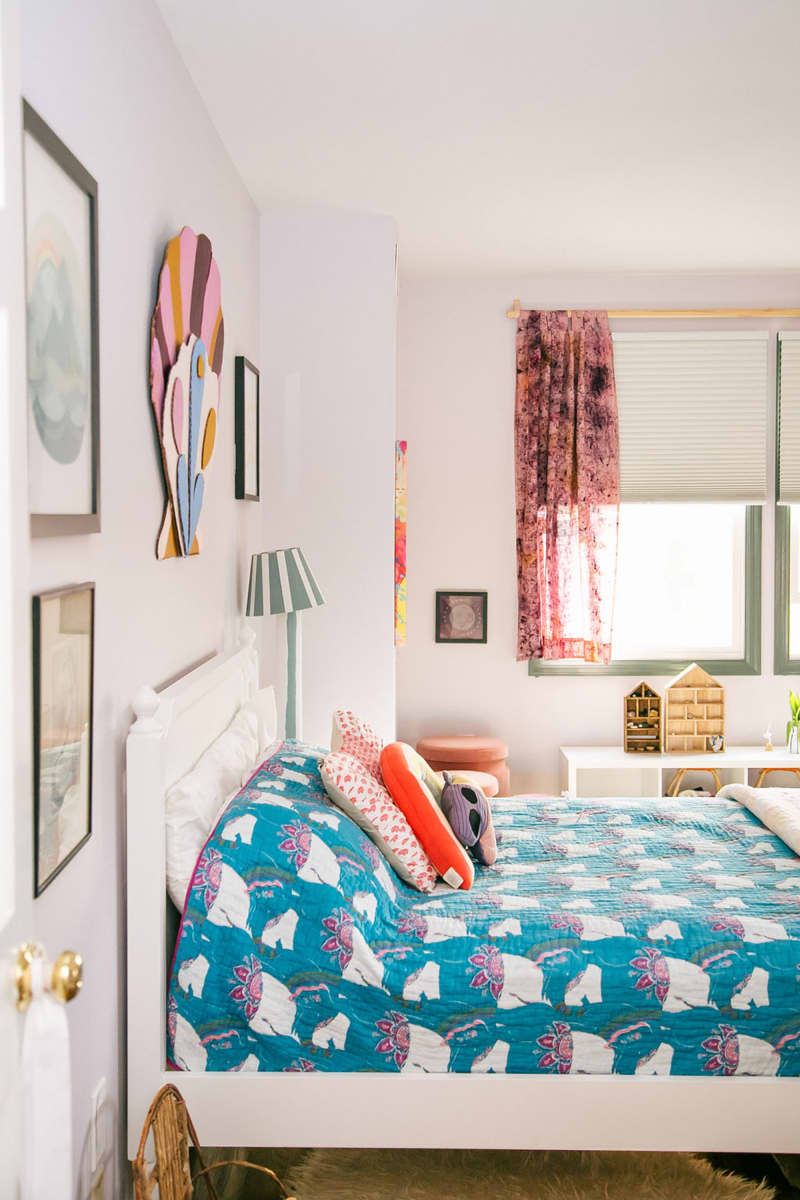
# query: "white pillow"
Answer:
x=263 y=705
x=193 y=803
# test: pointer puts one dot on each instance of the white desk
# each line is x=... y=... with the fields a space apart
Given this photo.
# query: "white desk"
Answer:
x=604 y=771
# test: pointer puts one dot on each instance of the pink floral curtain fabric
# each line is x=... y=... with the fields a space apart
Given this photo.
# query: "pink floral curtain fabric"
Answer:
x=567 y=476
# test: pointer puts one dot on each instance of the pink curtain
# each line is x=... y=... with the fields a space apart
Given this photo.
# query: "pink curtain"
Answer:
x=567 y=475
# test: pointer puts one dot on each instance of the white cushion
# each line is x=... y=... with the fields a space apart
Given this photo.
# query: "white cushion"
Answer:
x=194 y=802
x=263 y=705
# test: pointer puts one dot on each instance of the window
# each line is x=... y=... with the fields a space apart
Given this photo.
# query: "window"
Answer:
x=693 y=417
x=688 y=589
x=787 y=589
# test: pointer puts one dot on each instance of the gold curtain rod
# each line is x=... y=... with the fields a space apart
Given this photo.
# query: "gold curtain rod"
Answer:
x=687 y=313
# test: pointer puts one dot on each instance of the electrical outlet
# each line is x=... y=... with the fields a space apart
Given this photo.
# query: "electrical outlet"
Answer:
x=96 y=1146
x=98 y=1187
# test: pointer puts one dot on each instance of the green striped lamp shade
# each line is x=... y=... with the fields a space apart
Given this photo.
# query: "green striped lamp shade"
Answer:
x=281 y=582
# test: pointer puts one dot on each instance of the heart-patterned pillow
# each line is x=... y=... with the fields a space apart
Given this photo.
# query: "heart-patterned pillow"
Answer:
x=356 y=791
x=354 y=736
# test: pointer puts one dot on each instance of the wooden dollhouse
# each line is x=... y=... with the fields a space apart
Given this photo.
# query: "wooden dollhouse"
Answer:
x=694 y=717
x=643 y=720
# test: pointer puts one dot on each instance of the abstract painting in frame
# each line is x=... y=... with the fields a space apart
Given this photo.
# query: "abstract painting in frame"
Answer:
x=400 y=550
x=63 y=672
x=62 y=335
x=247 y=430
x=187 y=340
x=461 y=616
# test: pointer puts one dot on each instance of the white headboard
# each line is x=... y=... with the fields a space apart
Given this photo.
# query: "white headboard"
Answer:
x=172 y=729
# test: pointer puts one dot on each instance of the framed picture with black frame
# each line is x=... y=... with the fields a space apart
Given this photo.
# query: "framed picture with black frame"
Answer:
x=461 y=616
x=63 y=341
x=247 y=421
x=63 y=704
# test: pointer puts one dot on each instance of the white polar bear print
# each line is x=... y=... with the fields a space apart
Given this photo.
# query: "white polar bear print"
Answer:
x=241 y=827
x=365 y=904
x=575 y=849
x=275 y=785
x=523 y=982
x=596 y=928
x=276 y=1010
x=646 y=885
x=757 y=929
x=587 y=883
x=231 y=905
x=295 y=776
x=755 y=991
x=426 y=1051
x=585 y=988
x=507 y=885
x=657 y=1062
x=325 y=819
x=730 y=881
x=250 y=1063
x=384 y=879
x=591 y=1055
x=424 y=982
x=688 y=986
x=187 y=1050
x=321 y=865
x=192 y=975
x=364 y=967
x=494 y=1059
x=756 y=1057
x=569 y=868
x=578 y=903
x=711 y=864
x=793 y=882
x=730 y=902
x=518 y=902
x=331 y=1034
x=280 y=929
x=659 y=902
x=664 y=929
x=511 y=925
x=441 y=929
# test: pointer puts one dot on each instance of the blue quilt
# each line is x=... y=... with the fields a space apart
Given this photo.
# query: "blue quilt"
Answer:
x=626 y=936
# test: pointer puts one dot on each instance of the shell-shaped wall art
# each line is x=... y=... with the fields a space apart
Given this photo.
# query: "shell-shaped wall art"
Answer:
x=187 y=337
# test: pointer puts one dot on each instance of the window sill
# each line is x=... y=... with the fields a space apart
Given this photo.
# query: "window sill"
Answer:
x=652 y=666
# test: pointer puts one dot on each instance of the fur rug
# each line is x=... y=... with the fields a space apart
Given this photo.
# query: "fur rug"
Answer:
x=514 y=1175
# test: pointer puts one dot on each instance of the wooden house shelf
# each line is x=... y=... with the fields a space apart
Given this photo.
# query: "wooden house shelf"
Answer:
x=694 y=712
x=643 y=720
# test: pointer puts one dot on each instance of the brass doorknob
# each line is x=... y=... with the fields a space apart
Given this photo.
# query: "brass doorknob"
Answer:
x=65 y=977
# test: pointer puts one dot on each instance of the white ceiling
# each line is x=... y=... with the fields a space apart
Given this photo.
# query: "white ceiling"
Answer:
x=518 y=136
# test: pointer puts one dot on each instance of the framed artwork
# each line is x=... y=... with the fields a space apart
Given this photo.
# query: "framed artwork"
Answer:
x=461 y=616
x=63 y=661
x=63 y=387
x=248 y=430
x=187 y=343
x=400 y=528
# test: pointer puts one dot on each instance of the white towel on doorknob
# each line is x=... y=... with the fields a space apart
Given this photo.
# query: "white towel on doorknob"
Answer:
x=47 y=1096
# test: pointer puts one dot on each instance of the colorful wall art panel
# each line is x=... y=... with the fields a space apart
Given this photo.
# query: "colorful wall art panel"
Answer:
x=186 y=344
x=400 y=523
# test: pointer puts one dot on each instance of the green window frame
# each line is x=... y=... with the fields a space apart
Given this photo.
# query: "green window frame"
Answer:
x=749 y=664
x=783 y=663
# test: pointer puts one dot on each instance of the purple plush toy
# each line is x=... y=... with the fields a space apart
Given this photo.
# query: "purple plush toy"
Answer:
x=468 y=812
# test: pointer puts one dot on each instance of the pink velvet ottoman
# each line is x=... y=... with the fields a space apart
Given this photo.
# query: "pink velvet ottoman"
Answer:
x=468 y=752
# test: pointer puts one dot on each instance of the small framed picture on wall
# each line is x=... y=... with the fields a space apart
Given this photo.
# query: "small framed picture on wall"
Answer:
x=461 y=616
x=63 y=340
x=248 y=430
x=63 y=687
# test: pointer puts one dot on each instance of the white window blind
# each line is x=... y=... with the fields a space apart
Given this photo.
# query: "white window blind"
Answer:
x=788 y=417
x=693 y=416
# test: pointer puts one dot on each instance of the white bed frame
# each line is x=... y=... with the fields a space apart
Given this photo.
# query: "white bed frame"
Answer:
x=583 y=1112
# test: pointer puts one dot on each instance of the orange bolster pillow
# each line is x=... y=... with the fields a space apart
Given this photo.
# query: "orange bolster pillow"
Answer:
x=415 y=790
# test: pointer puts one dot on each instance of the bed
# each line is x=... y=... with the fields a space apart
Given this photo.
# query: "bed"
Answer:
x=625 y=977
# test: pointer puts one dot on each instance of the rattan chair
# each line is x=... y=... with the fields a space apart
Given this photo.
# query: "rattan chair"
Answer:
x=172 y=1129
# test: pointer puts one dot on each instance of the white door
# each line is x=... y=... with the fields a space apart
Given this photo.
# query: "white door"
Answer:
x=16 y=860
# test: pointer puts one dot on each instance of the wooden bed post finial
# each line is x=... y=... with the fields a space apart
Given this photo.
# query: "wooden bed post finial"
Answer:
x=146 y=704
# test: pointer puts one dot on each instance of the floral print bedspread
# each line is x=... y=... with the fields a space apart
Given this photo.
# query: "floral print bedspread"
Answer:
x=612 y=936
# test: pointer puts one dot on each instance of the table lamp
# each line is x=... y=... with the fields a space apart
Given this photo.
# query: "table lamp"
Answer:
x=281 y=582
